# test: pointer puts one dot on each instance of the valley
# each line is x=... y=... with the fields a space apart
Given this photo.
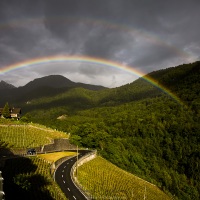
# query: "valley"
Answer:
x=138 y=127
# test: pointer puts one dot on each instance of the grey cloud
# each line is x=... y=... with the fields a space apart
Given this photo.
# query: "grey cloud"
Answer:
x=150 y=55
x=147 y=34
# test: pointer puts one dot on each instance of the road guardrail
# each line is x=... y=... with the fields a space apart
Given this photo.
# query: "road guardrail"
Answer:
x=81 y=161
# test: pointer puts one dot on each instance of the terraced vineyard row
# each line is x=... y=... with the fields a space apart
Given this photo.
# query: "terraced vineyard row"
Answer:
x=20 y=136
x=103 y=180
x=30 y=178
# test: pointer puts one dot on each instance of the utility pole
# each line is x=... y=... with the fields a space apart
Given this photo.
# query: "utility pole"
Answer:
x=145 y=189
x=23 y=136
x=77 y=163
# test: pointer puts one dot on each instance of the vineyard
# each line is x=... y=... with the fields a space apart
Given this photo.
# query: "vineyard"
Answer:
x=103 y=180
x=26 y=136
x=30 y=178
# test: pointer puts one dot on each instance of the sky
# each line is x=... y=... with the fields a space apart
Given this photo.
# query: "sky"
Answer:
x=145 y=35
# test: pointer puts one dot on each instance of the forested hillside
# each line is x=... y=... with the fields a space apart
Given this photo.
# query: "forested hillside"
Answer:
x=138 y=127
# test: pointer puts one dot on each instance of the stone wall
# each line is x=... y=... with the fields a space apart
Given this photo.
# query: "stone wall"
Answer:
x=81 y=161
x=86 y=159
x=58 y=145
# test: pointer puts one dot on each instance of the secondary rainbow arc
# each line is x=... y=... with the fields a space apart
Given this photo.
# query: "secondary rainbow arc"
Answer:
x=99 y=22
x=85 y=59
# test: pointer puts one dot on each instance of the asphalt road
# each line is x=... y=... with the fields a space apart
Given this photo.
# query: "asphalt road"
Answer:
x=63 y=178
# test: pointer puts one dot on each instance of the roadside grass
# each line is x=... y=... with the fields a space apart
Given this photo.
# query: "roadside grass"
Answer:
x=103 y=180
x=53 y=157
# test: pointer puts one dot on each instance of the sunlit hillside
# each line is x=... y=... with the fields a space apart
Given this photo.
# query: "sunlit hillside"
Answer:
x=103 y=180
x=28 y=135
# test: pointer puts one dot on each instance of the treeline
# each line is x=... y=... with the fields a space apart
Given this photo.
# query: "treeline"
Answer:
x=137 y=127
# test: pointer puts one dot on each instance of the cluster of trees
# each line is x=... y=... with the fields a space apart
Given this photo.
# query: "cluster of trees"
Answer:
x=137 y=126
x=6 y=111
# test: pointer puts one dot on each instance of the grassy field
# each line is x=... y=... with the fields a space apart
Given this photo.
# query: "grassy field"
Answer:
x=30 y=178
x=104 y=180
x=53 y=157
x=28 y=135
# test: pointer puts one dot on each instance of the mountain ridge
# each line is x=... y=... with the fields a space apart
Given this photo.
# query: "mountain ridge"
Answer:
x=5 y=85
x=40 y=87
x=55 y=81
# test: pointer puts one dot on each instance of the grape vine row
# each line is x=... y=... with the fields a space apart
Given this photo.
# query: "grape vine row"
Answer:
x=20 y=136
x=103 y=180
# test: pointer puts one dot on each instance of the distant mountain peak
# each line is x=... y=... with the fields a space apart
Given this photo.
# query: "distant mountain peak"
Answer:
x=54 y=81
x=5 y=85
x=41 y=87
x=58 y=81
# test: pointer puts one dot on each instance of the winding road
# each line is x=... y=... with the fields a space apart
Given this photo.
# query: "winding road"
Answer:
x=63 y=178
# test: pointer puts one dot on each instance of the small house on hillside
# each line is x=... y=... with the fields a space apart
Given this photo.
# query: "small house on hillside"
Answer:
x=14 y=112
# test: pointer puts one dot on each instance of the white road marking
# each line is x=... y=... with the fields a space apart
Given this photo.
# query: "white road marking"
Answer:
x=62 y=175
x=67 y=163
x=64 y=166
x=68 y=189
x=63 y=170
x=63 y=181
x=74 y=197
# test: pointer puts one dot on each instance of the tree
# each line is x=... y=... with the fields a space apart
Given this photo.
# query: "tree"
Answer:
x=6 y=111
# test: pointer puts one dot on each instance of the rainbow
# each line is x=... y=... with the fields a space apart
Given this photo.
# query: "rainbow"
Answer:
x=85 y=59
x=110 y=25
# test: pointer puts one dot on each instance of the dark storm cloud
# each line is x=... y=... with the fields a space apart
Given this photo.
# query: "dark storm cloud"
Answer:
x=17 y=36
x=147 y=34
x=165 y=20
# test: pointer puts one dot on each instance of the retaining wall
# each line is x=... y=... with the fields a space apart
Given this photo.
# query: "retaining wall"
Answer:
x=81 y=161
x=58 y=145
